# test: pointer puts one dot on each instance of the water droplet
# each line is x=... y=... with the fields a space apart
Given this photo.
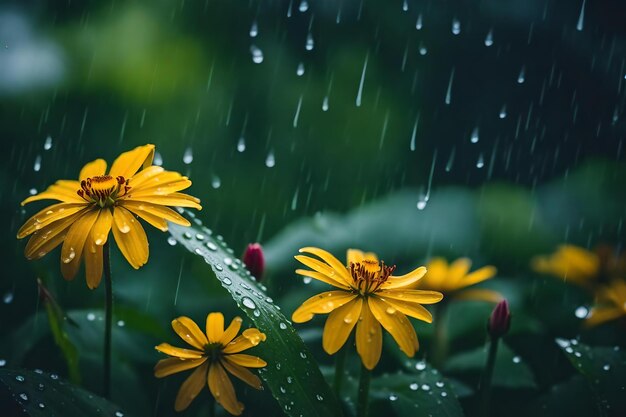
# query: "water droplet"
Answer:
x=188 y=156
x=422 y=49
x=456 y=26
x=300 y=70
x=24 y=396
x=325 y=104
x=502 y=114
x=119 y=414
x=421 y=203
x=581 y=312
x=414 y=386
x=32 y=191
x=474 y=136
x=254 y=30
x=37 y=164
x=19 y=378
x=211 y=246
x=283 y=326
x=307 y=280
x=304 y=6
x=516 y=359
x=606 y=367
x=283 y=390
x=200 y=236
x=489 y=38
x=439 y=384
x=319 y=397
x=419 y=24
x=393 y=397
x=47 y=145
x=227 y=281
x=121 y=323
x=41 y=405
x=91 y=316
x=8 y=298
x=303 y=355
x=70 y=256
x=171 y=241
x=522 y=76
x=241 y=145
x=425 y=387
x=390 y=310
x=158 y=159
x=581 y=17
x=310 y=42
x=257 y=56
x=248 y=303
x=270 y=160
x=54 y=376
x=256 y=313
x=444 y=394
x=420 y=366
x=218 y=267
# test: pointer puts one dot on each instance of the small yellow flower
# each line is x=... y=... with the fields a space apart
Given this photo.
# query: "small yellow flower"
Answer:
x=611 y=303
x=212 y=355
x=452 y=279
x=368 y=296
x=571 y=263
x=99 y=203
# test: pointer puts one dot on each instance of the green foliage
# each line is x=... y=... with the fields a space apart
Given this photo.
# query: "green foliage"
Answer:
x=43 y=395
x=292 y=374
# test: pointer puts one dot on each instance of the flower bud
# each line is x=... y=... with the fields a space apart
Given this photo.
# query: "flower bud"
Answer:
x=500 y=320
x=254 y=260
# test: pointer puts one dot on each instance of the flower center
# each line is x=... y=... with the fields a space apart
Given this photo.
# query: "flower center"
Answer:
x=103 y=190
x=369 y=275
x=213 y=351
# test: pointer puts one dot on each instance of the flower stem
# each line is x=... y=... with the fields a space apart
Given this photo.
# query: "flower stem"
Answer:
x=439 y=347
x=340 y=361
x=364 y=390
x=211 y=406
x=108 y=311
x=485 y=384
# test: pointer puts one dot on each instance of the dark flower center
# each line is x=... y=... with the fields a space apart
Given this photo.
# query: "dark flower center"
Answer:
x=103 y=190
x=369 y=275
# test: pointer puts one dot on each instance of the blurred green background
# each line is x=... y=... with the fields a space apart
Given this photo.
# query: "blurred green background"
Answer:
x=490 y=129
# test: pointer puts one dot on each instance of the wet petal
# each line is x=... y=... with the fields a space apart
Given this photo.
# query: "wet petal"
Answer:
x=191 y=388
x=242 y=373
x=406 y=280
x=435 y=278
x=322 y=303
x=60 y=191
x=369 y=338
x=396 y=324
x=410 y=309
x=249 y=338
x=356 y=255
x=174 y=200
x=49 y=237
x=248 y=361
x=599 y=315
x=189 y=331
x=72 y=250
x=339 y=325
x=180 y=353
x=215 y=327
x=130 y=237
x=223 y=391
x=102 y=227
x=333 y=262
x=477 y=276
x=166 y=213
x=323 y=278
x=93 y=264
x=169 y=366
x=231 y=331
x=47 y=216
x=93 y=169
x=128 y=163
x=412 y=296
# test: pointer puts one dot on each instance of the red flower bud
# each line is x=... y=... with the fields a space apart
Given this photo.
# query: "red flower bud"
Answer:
x=500 y=320
x=254 y=260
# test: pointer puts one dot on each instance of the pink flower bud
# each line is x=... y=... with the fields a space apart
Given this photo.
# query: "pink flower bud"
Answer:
x=500 y=320
x=254 y=260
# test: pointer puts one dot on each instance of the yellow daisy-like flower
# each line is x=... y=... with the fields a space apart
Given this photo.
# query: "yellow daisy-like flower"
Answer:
x=213 y=354
x=453 y=279
x=368 y=296
x=99 y=203
x=611 y=303
x=571 y=263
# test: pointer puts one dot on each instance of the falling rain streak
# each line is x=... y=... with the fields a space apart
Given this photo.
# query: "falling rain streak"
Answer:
x=360 y=92
x=448 y=98
x=581 y=17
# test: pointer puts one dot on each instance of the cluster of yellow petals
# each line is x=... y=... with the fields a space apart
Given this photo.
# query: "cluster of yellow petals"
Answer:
x=369 y=298
x=99 y=203
x=611 y=303
x=570 y=263
x=213 y=354
x=453 y=278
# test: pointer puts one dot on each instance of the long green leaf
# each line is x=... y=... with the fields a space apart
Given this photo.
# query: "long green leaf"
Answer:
x=43 y=395
x=292 y=374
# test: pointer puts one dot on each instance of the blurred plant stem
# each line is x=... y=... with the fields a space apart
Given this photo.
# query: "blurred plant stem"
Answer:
x=340 y=361
x=439 y=347
x=108 y=311
x=485 y=383
x=211 y=406
x=364 y=390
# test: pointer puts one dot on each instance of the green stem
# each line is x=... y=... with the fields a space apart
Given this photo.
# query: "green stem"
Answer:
x=108 y=311
x=485 y=384
x=364 y=390
x=211 y=406
x=340 y=361
x=439 y=347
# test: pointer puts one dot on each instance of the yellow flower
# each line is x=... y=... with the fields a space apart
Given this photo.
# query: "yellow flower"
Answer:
x=368 y=296
x=98 y=203
x=212 y=355
x=452 y=279
x=571 y=263
x=612 y=303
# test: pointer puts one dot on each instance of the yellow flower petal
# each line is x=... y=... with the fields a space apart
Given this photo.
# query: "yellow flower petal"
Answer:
x=72 y=250
x=223 y=390
x=323 y=278
x=59 y=192
x=241 y=373
x=93 y=169
x=249 y=338
x=339 y=325
x=396 y=324
x=356 y=255
x=189 y=331
x=322 y=303
x=369 y=338
x=166 y=213
x=248 y=361
x=163 y=184
x=435 y=278
x=457 y=270
x=581 y=260
x=480 y=275
x=169 y=366
x=48 y=238
x=130 y=237
x=180 y=353
x=599 y=315
x=145 y=175
x=47 y=216
x=128 y=163
x=174 y=199
x=215 y=327
x=410 y=309
x=151 y=219
x=191 y=387
x=412 y=296
x=93 y=264
x=102 y=227
x=333 y=262
x=231 y=331
x=480 y=294
x=404 y=280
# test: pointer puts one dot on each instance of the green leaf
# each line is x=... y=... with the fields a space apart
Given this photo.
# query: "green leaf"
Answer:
x=510 y=371
x=292 y=374
x=604 y=368
x=42 y=395
x=63 y=342
x=425 y=393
